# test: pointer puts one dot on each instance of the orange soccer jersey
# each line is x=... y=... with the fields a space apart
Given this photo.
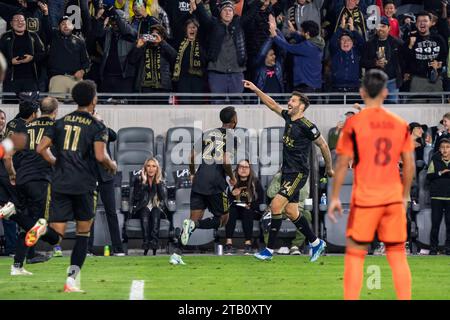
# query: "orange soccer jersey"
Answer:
x=375 y=138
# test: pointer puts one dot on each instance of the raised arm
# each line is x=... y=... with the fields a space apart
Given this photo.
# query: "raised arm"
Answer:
x=268 y=101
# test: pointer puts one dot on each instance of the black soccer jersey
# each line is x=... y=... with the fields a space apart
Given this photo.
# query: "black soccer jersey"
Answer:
x=297 y=142
x=17 y=125
x=73 y=137
x=210 y=177
x=32 y=166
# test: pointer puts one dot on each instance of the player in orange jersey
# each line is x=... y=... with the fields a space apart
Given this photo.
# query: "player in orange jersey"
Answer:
x=375 y=139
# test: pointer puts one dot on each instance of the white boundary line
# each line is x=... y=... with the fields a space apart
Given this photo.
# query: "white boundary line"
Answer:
x=137 y=290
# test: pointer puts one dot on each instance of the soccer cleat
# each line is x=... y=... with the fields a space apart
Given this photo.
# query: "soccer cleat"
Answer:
x=317 y=250
x=71 y=286
x=57 y=252
x=188 y=227
x=19 y=271
x=176 y=259
x=7 y=211
x=264 y=255
x=33 y=235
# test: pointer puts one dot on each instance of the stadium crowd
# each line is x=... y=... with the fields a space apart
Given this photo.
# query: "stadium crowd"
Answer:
x=194 y=46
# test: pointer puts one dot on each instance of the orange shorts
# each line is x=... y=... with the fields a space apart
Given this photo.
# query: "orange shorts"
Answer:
x=388 y=221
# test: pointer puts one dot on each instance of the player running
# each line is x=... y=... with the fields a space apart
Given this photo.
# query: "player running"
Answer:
x=79 y=140
x=209 y=182
x=299 y=133
x=375 y=140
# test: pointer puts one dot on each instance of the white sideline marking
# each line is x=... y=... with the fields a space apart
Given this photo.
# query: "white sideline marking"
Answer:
x=137 y=290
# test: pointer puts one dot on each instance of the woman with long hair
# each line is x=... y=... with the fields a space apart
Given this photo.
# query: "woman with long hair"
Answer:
x=246 y=197
x=149 y=202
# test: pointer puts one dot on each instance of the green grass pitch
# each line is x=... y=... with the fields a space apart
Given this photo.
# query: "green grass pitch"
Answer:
x=220 y=277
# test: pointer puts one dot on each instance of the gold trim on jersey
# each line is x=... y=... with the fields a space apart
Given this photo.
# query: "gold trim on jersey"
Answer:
x=295 y=184
x=47 y=202
x=225 y=202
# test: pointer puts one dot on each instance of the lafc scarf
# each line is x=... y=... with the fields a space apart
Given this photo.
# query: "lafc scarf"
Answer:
x=152 y=68
x=195 y=64
x=358 y=20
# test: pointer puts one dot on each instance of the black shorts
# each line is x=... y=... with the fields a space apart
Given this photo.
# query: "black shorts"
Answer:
x=34 y=198
x=291 y=184
x=217 y=204
x=68 y=207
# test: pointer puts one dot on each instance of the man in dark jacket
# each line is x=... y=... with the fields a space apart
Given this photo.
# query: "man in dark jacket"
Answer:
x=153 y=57
x=68 y=58
x=227 y=54
x=384 y=52
x=117 y=38
x=439 y=177
x=23 y=50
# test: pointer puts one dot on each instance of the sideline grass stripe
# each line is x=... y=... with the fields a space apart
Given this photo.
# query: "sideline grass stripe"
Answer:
x=137 y=290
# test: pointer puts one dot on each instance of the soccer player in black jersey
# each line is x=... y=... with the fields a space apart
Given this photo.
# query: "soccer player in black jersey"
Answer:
x=209 y=182
x=32 y=179
x=299 y=133
x=78 y=140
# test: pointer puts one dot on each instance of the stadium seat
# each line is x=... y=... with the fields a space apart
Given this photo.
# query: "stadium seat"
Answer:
x=335 y=232
x=135 y=138
x=199 y=237
x=270 y=153
x=179 y=142
x=131 y=160
x=423 y=218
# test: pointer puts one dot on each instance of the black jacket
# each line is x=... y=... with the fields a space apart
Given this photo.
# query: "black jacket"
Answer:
x=103 y=175
x=258 y=198
x=369 y=56
x=439 y=185
x=126 y=43
x=7 y=46
x=218 y=31
x=143 y=194
x=168 y=56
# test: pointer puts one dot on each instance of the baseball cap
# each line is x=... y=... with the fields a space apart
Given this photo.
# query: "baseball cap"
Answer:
x=385 y=21
x=63 y=18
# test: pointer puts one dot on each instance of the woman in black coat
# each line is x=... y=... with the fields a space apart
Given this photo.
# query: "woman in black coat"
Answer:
x=149 y=202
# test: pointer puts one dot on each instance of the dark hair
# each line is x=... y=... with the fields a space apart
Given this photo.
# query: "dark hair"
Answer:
x=374 y=82
x=303 y=98
x=84 y=92
x=48 y=105
x=386 y=2
x=311 y=27
x=444 y=140
x=20 y=13
x=227 y=114
x=252 y=181
x=1 y=111
x=189 y=21
x=423 y=14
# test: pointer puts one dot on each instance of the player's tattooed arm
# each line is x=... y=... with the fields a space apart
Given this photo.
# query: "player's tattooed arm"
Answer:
x=102 y=156
x=44 y=150
x=267 y=100
x=325 y=150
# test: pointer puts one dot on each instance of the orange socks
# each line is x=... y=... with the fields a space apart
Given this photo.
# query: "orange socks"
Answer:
x=353 y=273
x=401 y=274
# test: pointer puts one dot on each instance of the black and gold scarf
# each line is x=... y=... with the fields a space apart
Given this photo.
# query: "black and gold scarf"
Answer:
x=152 y=68
x=195 y=64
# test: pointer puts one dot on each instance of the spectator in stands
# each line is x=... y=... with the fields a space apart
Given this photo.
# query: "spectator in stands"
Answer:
x=416 y=131
x=307 y=52
x=7 y=193
x=445 y=133
x=439 y=177
x=227 y=56
x=384 y=52
x=68 y=59
x=426 y=55
x=333 y=135
x=117 y=39
x=153 y=57
x=245 y=199
x=346 y=50
x=269 y=67
x=352 y=10
x=190 y=65
x=141 y=19
x=408 y=25
x=389 y=12
x=149 y=202
x=301 y=11
x=23 y=50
